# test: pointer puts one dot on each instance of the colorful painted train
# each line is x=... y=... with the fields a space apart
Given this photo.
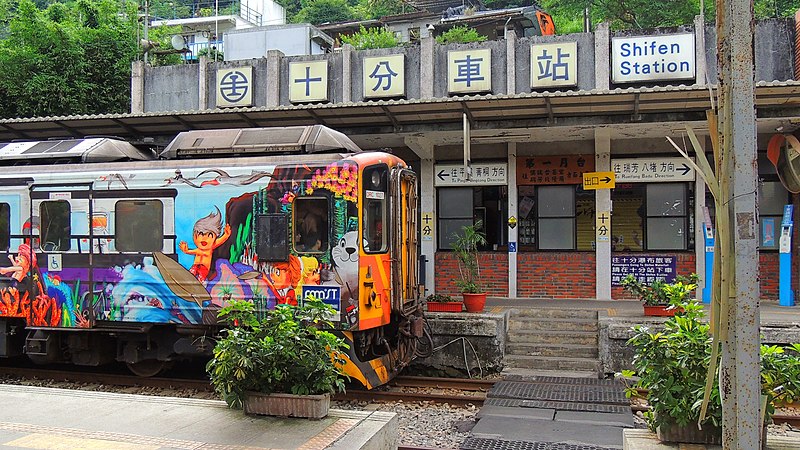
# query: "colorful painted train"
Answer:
x=122 y=254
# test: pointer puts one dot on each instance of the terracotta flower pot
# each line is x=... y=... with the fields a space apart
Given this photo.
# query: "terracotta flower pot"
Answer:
x=474 y=302
x=658 y=311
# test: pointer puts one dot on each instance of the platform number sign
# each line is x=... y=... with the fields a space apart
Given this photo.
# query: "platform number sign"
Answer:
x=235 y=87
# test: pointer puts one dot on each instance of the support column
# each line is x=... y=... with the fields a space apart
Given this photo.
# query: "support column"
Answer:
x=274 y=78
x=137 y=87
x=701 y=69
x=347 y=73
x=601 y=56
x=426 y=69
x=512 y=212
x=602 y=200
x=424 y=149
x=511 y=62
x=202 y=84
x=740 y=384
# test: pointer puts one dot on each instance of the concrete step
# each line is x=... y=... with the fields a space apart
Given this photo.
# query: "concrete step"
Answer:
x=550 y=324
x=552 y=363
x=552 y=337
x=519 y=374
x=568 y=350
x=555 y=313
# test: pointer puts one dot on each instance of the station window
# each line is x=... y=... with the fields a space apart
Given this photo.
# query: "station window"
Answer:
x=310 y=224
x=55 y=225
x=772 y=197
x=139 y=225
x=5 y=226
x=653 y=216
x=463 y=206
x=557 y=217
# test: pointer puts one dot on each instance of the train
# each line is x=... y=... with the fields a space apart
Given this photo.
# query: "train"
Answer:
x=116 y=252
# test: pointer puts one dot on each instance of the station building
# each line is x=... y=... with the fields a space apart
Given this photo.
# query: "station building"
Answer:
x=502 y=132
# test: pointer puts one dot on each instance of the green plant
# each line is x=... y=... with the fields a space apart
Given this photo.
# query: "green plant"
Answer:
x=660 y=292
x=465 y=246
x=285 y=351
x=212 y=53
x=440 y=298
x=378 y=37
x=672 y=366
x=460 y=35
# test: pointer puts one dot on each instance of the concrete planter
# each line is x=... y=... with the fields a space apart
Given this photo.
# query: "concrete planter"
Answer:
x=287 y=405
x=690 y=434
x=445 y=306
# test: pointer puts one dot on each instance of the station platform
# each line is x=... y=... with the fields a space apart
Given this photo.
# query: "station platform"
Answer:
x=47 y=418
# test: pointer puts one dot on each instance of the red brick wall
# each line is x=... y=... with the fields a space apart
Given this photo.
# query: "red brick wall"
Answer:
x=768 y=271
x=686 y=264
x=494 y=273
x=556 y=274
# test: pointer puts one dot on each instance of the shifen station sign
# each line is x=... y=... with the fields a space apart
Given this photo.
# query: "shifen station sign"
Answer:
x=653 y=58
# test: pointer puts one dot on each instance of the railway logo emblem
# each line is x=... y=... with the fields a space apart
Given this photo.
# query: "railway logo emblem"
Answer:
x=234 y=87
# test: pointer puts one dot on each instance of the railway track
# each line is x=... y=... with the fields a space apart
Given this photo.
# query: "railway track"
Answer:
x=106 y=378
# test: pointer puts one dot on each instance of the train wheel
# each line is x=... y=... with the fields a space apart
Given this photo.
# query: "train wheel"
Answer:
x=147 y=368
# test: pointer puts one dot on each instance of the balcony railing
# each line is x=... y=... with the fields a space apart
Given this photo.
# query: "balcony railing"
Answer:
x=196 y=47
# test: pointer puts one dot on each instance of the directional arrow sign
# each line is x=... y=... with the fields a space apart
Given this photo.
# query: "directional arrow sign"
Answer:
x=476 y=174
x=598 y=180
x=652 y=169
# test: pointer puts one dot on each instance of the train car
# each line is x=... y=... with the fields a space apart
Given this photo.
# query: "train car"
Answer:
x=114 y=253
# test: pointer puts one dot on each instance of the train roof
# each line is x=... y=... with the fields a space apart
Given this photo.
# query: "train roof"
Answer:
x=94 y=149
x=244 y=141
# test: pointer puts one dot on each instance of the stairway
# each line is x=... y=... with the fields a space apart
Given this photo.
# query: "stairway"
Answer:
x=552 y=342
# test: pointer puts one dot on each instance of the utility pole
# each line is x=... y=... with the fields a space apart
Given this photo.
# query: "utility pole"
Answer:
x=740 y=383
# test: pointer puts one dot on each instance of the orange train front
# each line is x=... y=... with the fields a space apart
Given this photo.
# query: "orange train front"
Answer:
x=161 y=247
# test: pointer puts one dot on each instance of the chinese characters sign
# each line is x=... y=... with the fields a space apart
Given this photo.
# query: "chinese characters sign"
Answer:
x=428 y=226
x=235 y=87
x=554 y=65
x=384 y=76
x=650 y=170
x=308 y=81
x=646 y=269
x=469 y=71
x=481 y=174
x=567 y=169
x=602 y=226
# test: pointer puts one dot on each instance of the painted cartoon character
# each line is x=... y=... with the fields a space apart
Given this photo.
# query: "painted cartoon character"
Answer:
x=281 y=279
x=207 y=236
x=311 y=271
x=20 y=264
x=344 y=256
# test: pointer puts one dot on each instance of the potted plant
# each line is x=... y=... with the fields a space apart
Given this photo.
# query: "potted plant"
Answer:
x=658 y=296
x=443 y=303
x=465 y=246
x=284 y=364
x=672 y=367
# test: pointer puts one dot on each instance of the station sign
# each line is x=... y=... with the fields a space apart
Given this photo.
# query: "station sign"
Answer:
x=598 y=180
x=652 y=170
x=557 y=169
x=483 y=174
x=653 y=58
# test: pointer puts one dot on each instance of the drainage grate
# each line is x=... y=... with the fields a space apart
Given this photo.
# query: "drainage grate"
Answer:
x=559 y=392
x=511 y=402
x=473 y=443
x=573 y=406
x=563 y=380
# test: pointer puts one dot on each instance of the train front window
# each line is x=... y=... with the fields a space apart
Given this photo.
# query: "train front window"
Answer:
x=310 y=224
x=375 y=233
x=5 y=222
x=138 y=226
x=55 y=229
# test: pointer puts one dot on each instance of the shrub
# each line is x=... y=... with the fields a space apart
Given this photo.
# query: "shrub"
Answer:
x=660 y=292
x=460 y=35
x=440 y=298
x=365 y=39
x=284 y=352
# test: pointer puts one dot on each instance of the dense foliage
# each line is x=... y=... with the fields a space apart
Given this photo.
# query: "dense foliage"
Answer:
x=371 y=38
x=285 y=351
x=460 y=35
x=70 y=58
x=672 y=366
x=465 y=247
x=660 y=292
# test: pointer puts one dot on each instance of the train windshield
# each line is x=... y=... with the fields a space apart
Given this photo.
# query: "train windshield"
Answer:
x=375 y=209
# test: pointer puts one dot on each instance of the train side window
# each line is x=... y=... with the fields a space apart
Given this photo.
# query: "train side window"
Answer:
x=139 y=225
x=310 y=224
x=375 y=203
x=55 y=228
x=5 y=226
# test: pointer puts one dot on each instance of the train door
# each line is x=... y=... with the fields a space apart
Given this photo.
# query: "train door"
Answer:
x=403 y=190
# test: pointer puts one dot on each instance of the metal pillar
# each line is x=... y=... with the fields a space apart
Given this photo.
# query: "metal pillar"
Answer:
x=739 y=370
x=513 y=241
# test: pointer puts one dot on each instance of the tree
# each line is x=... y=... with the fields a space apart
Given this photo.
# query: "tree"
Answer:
x=67 y=60
x=322 y=11
x=378 y=37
